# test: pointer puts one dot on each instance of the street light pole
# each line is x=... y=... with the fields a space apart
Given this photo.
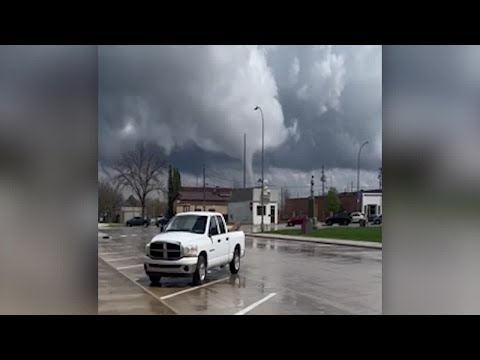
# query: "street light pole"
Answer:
x=358 y=172
x=263 y=180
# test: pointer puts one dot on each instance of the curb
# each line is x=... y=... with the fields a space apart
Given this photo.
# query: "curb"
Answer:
x=354 y=243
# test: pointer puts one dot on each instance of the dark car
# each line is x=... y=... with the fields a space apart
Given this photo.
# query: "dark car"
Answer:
x=377 y=220
x=298 y=220
x=138 y=221
x=341 y=219
x=161 y=221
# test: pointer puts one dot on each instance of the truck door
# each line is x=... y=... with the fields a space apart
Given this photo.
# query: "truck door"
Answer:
x=225 y=243
x=217 y=252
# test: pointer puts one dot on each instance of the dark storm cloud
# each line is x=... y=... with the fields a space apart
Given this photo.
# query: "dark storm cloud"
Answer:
x=320 y=103
x=333 y=120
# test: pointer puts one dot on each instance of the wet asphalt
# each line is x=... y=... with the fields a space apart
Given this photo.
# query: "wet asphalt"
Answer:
x=276 y=277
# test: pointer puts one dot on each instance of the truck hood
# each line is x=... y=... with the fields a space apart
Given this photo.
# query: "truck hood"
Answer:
x=178 y=236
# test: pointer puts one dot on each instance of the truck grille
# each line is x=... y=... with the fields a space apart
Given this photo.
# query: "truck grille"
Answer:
x=165 y=251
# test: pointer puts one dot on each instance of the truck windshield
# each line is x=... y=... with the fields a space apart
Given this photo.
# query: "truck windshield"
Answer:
x=190 y=223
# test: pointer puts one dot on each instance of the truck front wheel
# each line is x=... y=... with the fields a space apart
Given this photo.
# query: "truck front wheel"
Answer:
x=154 y=279
x=201 y=271
x=235 y=263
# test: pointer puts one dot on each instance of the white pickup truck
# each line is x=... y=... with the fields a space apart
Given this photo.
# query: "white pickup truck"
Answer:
x=192 y=243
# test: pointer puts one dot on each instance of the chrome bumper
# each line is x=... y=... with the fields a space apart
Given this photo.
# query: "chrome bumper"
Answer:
x=182 y=267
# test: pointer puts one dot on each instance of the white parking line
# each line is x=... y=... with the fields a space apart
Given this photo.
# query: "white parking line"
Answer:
x=126 y=258
x=123 y=235
x=133 y=235
x=129 y=267
x=192 y=289
x=142 y=287
x=254 y=305
x=111 y=253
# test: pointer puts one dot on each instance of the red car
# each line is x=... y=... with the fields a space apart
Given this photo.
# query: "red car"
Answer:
x=298 y=220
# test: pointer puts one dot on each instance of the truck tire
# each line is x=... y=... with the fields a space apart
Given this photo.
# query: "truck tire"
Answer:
x=235 y=263
x=154 y=279
x=200 y=272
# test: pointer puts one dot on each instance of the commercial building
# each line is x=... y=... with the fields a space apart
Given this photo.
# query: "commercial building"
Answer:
x=369 y=202
x=192 y=199
x=245 y=206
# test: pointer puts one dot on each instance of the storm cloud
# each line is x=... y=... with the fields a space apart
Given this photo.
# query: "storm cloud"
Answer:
x=196 y=102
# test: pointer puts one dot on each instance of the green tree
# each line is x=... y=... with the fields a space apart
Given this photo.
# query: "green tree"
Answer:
x=174 y=185
x=333 y=201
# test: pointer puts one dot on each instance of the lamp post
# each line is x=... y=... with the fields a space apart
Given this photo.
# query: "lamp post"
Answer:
x=358 y=173
x=263 y=180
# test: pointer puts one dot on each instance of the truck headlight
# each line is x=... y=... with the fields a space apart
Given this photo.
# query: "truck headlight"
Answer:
x=147 y=249
x=190 y=250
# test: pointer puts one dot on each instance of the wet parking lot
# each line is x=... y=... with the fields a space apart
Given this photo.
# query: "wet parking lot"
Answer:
x=276 y=277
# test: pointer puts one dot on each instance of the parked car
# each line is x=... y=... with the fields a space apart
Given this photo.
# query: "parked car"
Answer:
x=377 y=220
x=137 y=221
x=341 y=219
x=161 y=221
x=356 y=217
x=298 y=220
x=192 y=243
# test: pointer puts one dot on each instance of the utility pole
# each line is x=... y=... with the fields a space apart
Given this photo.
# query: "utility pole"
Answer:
x=244 y=160
x=351 y=187
x=323 y=179
x=203 y=187
x=312 y=195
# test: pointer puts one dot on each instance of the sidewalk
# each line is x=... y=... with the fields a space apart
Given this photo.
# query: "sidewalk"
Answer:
x=310 y=239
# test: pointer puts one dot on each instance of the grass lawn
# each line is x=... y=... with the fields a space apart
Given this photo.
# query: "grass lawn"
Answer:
x=369 y=233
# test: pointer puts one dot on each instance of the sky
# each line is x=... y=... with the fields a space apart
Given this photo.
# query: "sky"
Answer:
x=195 y=103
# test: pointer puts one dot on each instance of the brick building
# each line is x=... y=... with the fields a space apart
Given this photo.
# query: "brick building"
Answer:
x=191 y=199
x=370 y=204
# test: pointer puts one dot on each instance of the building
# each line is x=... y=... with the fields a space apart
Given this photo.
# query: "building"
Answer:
x=245 y=206
x=371 y=201
x=370 y=204
x=192 y=199
x=128 y=212
x=131 y=208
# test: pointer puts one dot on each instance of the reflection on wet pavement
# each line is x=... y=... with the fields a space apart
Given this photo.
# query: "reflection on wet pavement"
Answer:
x=306 y=278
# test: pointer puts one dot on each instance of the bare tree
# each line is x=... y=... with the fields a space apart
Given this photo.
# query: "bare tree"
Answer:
x=110 y=200
x=141 y=170
x=155 y=207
